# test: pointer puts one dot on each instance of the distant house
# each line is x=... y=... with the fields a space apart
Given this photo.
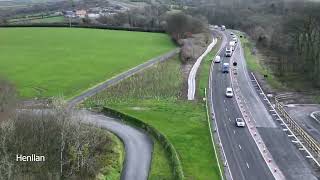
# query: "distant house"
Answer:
x=93 y=15
x=58 y=13
x=81 y=13
x=69 y=14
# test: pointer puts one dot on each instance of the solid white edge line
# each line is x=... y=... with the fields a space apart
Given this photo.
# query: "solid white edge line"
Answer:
x=238 y=46
x=213 y=112
x=288 y=129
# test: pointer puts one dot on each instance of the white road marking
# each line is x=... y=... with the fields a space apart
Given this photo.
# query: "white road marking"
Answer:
x=247 y=165
x=234 y=132
x=229 y=119
x=239 y=146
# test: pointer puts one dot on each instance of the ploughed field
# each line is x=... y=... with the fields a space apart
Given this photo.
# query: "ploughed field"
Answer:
x=46 y=62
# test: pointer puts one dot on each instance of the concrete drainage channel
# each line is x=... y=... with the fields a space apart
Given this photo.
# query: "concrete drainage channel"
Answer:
x=290 y=127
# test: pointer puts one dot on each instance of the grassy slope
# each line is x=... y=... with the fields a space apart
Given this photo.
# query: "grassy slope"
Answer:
x=51 y=61
x=153 y=96
x=255 y=65
x=203 y=79
x=113 y=168
x=296 y=82
x=204 y=72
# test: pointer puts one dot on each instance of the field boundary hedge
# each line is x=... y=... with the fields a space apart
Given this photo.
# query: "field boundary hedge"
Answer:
x=76 y=25
x=164 y=141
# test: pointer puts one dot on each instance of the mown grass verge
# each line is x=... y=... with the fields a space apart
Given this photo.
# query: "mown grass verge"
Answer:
x=157 y=135
x=255 y=65
x=202 y=80
x=154 y=97
x=204 y=71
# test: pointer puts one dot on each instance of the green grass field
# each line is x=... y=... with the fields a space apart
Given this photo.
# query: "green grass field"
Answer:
x=45 y=62
x=154 y=96
x=49 y=20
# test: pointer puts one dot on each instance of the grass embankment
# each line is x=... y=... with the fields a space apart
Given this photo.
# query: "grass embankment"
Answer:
x=204 y=71
x=114 y=162
x=255 y=65
x=289 y=82
x=203 y=79
x=47 y=62
x=154 y=96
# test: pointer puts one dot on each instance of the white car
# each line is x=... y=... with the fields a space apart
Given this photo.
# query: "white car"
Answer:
x=217 y=59
x=229 y=92
x=235 y=39
x=216 y=27
x=240 y=122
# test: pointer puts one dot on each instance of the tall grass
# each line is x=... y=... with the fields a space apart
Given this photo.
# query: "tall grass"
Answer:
x=163 y=80
x=154 y=97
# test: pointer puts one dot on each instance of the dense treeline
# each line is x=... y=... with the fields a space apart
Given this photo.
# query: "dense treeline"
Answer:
x=289 y=30
x=71 y=149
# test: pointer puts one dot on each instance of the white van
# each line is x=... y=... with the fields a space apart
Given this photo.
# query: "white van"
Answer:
x=228 y=51
x=217 y=59
x=232 y=44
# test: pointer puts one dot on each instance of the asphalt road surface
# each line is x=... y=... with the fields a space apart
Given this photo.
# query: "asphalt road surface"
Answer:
x=91 y=92
x=138 y=145
x=244 y=159
x=301 y=114
x=286 y=155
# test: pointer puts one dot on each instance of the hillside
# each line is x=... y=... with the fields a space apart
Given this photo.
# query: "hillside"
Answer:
x=49 y=62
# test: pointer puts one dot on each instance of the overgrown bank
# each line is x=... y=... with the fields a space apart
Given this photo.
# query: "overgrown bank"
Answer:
x=286 y=33
x=154 y=96
x=68 y=149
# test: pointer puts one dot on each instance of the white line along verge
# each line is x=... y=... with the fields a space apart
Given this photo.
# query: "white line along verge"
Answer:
x=193 y=72
x=266 y=155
